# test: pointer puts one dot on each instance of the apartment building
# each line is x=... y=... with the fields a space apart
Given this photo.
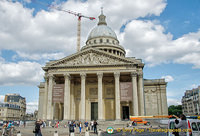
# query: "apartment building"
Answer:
x=9 y=112
x=191 y=102
x=17 y=100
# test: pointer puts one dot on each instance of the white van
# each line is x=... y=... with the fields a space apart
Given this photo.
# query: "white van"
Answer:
x=193 y=125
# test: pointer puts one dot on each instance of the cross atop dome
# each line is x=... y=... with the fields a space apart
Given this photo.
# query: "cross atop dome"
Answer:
x=102 y=18
x=102 y=10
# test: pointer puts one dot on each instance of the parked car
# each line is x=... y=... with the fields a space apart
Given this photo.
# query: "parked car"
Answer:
x=138 y=120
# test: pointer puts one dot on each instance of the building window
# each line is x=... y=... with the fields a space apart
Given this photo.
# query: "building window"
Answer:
x=101 y=40
x=94 y=41
x=113 y=42
x=107 y=40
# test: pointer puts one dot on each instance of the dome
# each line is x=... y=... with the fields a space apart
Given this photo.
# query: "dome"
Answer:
x=102 y=31
x=104 y=38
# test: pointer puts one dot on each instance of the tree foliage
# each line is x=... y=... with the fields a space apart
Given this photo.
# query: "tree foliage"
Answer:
x=175 y=110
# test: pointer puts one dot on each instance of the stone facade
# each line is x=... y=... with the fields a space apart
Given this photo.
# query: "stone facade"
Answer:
x=87 y=85
x=191 y=102
x=155 y=97
x=17 y=100
x=9 y=112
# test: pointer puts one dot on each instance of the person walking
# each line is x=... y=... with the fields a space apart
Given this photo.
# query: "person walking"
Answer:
x=37 y=131
x=182 y=124
x=95 y=127
x=71 y=129
x=4 y=129
x=86 y=125
x=92 y=125
x=80 y=126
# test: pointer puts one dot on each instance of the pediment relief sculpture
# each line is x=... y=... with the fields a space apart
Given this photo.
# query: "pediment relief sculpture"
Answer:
x=90 y=59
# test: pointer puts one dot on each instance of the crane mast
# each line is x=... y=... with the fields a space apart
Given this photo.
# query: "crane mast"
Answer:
x=79 y=34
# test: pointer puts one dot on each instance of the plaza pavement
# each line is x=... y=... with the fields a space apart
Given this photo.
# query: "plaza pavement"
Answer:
x=49 y=131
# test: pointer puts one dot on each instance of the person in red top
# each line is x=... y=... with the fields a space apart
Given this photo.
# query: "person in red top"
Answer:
x=57 y=124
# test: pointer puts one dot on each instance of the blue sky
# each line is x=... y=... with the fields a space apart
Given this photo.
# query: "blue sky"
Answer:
x=164 y=34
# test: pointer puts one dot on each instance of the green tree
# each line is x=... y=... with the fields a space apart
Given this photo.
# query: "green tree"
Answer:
x=175 y=110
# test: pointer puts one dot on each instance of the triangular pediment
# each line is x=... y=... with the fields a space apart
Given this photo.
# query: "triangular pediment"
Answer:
x=91 y=57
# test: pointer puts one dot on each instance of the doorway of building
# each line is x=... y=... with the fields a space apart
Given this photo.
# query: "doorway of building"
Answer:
x=94 y=110
x=125 y=112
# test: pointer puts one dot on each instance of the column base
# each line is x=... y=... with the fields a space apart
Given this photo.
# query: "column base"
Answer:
x=101 y=120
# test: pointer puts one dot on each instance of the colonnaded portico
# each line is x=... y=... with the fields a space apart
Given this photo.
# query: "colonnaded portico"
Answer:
x=81 y=90
x=99 y=83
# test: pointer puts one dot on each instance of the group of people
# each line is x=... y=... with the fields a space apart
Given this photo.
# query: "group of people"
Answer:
x=71 y=124
x=88 y=126
x=7 y=127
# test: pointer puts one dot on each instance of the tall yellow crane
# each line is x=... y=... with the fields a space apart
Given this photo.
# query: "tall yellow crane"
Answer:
x=79 y=15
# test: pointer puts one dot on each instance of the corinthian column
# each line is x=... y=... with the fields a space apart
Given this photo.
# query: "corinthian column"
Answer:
x=100 y=96
x=141 y=93
x=45 y=98
x=67 y=97
x=49 y=104
x=135 y=95
x=117 y=96
x=73 y=105
x=83 y=76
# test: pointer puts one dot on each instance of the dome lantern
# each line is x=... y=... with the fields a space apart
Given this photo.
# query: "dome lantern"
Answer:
x=102 y=18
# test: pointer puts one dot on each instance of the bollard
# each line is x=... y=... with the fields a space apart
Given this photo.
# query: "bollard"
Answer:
x=19 y=134
x=133 y=131
x=87 y=133
x=99 y=133
x=55 y=133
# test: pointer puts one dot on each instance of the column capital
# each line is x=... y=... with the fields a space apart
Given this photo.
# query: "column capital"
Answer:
x=67 y=75
x=140 y=74
x=116 y=74
x=45 y=77
x=51 y=76
x=134 y=74
x=100 y=74
x=83 y=75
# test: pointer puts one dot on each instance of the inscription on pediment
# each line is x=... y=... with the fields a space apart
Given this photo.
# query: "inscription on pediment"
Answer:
x=91 y=59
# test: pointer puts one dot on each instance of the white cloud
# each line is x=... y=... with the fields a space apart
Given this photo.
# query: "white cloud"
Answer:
x=21 y=73
x=55 y=31
x=2 y=98
x=168 y=78
x=37 y=56
x=172 y=101
x=148 y=40
x=194 y=86
x=52 y=34
x=2 y=59
x=31 y=107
